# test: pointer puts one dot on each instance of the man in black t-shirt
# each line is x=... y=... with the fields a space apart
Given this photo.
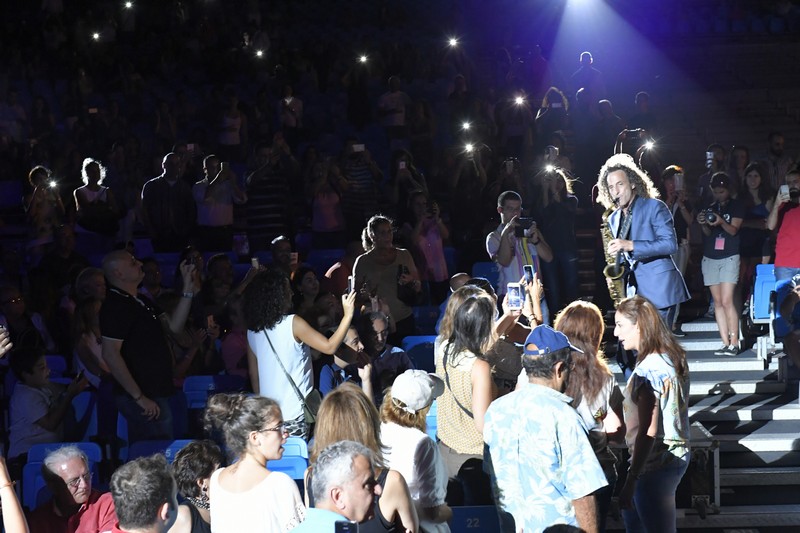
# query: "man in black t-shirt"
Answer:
x=135 y=346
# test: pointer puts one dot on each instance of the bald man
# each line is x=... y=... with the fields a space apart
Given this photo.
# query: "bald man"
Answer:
x=456 y=282
x=135 y=346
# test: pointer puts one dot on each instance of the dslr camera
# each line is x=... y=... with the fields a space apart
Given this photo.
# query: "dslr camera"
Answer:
x=711 y=216
x=523 y=224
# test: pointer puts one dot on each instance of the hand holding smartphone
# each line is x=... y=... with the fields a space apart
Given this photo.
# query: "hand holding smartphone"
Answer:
x=514 y=298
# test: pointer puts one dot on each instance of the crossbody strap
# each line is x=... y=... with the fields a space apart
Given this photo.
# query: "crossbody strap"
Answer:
x=294 y=386
x=447 y=381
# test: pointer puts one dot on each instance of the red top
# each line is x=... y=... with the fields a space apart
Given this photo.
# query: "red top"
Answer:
x=95 y=516
x=787 y=247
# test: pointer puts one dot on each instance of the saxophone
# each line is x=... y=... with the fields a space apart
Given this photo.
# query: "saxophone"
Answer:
x=613 y=271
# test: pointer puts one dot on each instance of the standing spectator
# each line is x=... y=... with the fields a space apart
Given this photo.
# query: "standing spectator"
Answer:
x=168 y=208
x=269 y=207
x=136 y=349
x=215 y=195
x=715 y=162
x=643 y=118
x=279 y=359
x=720 y=223
x=76 y=505
x=673 y=192
x=425 y=232
x=232 y=129
x=552 y=116
x=656 y=416
x=335 y=279
x=247 y=495
x=410 y=451
x=756 y=196
x=531 y=458
x=290 y=116
x=785 y=218
x=145 y=496
x=777 y=162
x=24 y=329
x=588 y=78
x=393 y=107
x=43 y=207
x=461 y=363
x=360 y=197
x=325 y=188
x=512 y=252
x=738 y=161
x=344 y=487
x=96 y=207
x=234 y=342
x=389 y=273
x=594 y=391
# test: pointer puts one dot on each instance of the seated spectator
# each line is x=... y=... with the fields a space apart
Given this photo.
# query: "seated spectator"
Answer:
x=344 y=487
x=38 y=406
x=59 y=266
x=211 y=301
x=87 y=341
x=193 y=256
x=247 y=495
x=388 y=361
x=96 y=207
x=145 y=496
x=348 y=414
x=388 y=272
x=192 y=468
x=410 y=451
x=151 y=286
x=350 y=364
x=25 y=329
x=76 y=506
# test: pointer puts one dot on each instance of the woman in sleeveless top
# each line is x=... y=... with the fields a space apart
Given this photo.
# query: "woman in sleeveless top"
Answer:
x=279 y=342
x=347 y=413
x=466 y=334
x=96 y=208
x=248 y=496
x=593 y=390
x=192 y=469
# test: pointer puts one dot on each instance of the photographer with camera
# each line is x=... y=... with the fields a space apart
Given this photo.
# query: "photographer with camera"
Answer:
x=516 y=242
x=720 y=223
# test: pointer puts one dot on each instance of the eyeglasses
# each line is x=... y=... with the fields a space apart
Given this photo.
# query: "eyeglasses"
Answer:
x=86 y=478
x=16 y=300
x=280 y=428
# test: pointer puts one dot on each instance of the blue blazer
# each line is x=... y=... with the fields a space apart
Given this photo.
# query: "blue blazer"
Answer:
x=654 y=241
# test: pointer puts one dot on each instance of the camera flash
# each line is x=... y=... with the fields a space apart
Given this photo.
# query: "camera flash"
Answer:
x=465 y=126
x=519 y=100
x=453 y=41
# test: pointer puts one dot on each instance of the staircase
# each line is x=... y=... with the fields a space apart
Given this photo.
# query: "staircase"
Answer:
x=754 y=420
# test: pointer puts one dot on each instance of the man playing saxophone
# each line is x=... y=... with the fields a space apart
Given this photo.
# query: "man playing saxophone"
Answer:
x=644 y=235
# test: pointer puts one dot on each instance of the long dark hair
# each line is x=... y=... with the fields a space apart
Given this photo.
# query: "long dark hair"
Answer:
x=473 y=326
x=764 y=191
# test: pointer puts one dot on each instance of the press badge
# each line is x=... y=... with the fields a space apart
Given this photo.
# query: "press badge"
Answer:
x=719 y=243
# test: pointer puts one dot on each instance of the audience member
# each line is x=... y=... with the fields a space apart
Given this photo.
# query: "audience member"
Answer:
x=777 y=162
x=347 y=413
x=324 y=188
x=335 y=279
x=513 y=245
x=756 y=197
x=247 y=495
x=43 y=207
x=168 y=208
x=460 y=362
x=38 y=406
x=76 y=506
x=410 y=451
x=214 y=196
x=425 y=233
x=389 y=273
x=283 y=258
x=136 y=348
x=720 y=223
x=151 y=287
x=192 y=468
x=25 y=329
x=305 y=289
x=530 y=457
x=344 y=487
x=234 y=342
x=715 y=162
x=360 y=196
x=656 y=417
x=145 y=496
x=350 y=364
x=388 y=361
x=784 y=218
x=278 y=355
x=13 y=516
x=95 y=204
x=643 y=118
x=456 y=282
x=738 y=161
x=393 y=108
x=270 y=211
x=588 y=78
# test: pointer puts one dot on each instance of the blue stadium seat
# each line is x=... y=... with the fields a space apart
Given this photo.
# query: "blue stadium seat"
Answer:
x=34 y=489
x=84 y=407
x=57 y=365
x=293 y=466
x=174 y=447
x=481 y=518
x=295 y=446
x=764 y=284
x=488 y=270
x=425 y=317
x=198 y=388
x=145 y=448
x=420 y=351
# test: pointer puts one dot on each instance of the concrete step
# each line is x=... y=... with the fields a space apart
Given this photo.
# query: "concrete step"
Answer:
x=756 y=436
x=747 y=477
x=782 y=516
x=701 y=325
x=726 y=382
x=745 y=407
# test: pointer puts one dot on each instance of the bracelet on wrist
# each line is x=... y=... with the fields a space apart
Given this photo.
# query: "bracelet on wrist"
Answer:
x=188 y=294
x=7 y=484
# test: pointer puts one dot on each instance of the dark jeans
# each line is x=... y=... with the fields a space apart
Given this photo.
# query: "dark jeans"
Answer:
x=139 y=426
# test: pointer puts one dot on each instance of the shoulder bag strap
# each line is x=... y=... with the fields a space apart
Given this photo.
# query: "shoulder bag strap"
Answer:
x=447 y=381
x=294 y=386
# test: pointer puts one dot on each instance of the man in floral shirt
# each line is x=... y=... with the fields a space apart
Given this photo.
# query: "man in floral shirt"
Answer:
x=537 y=451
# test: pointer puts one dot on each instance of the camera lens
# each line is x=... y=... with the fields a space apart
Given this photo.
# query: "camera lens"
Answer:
x=711 y=216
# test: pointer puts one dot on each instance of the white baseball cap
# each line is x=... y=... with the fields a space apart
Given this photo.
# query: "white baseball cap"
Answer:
x=416 y=389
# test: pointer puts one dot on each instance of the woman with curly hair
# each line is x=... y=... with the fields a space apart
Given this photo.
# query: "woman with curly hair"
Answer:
x=656 y=410
x=192 y=468
x=96 y=208
x=593 y=390
x=248 y=496
x=347 y=413
x=279 y=343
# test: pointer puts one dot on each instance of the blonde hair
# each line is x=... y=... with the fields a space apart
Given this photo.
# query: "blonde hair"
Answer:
x=392 y=411
x=347 y=413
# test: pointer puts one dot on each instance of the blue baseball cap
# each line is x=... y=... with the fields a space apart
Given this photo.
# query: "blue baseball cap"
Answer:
x=544 y=340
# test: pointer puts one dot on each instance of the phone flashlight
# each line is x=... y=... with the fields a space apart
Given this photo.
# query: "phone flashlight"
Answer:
x=465 y=126
x=363 y=59
x=453 y=41
x=519 y=100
